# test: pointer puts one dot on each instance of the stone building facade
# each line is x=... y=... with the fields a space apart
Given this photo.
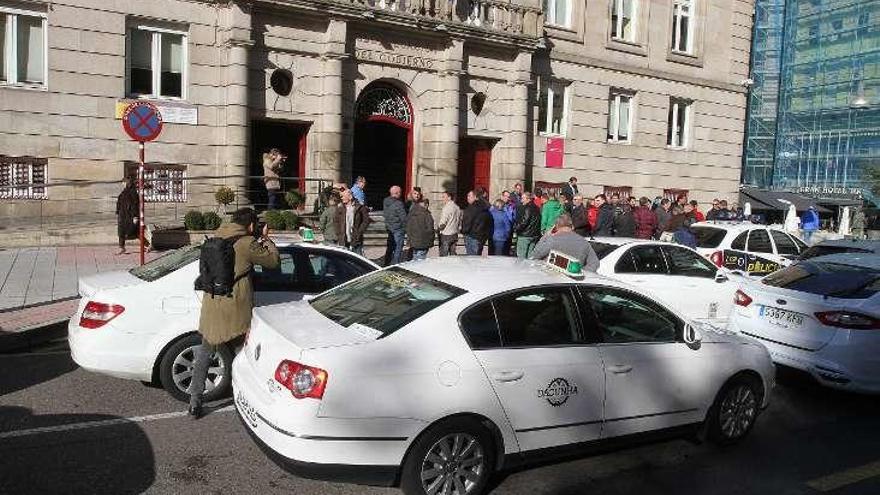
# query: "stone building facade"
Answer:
x=437 y=95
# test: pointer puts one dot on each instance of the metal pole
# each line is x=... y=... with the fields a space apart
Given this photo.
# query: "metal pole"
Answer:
x=141 y=201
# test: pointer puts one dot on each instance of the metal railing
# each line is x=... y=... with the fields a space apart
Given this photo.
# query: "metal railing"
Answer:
x=494 y=15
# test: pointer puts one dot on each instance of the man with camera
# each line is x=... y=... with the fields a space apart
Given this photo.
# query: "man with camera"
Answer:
x=273 y=164
x=225 y=264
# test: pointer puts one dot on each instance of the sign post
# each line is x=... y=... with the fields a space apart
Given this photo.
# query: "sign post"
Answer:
x=142 y=122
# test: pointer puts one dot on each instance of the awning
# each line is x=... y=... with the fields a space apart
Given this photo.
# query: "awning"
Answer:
x=764 y=200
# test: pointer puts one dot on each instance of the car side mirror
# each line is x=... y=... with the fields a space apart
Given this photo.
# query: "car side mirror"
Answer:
x=721 y=277
x=308 y=297
x=693 y=337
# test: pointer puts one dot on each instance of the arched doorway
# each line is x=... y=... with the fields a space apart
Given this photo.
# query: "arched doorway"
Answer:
x=383 y=141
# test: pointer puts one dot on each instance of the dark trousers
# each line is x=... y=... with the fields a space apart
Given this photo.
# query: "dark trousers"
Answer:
x=473 y=246
x=499 y=248
x=274 y=199
x=204 y=356
x=447 y=244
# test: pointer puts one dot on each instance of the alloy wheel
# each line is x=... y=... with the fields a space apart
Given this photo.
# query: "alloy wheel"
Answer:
x=738 y=411
x=454 y=465
x=182 y=370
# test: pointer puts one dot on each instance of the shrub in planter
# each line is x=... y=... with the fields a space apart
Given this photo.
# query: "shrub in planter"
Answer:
x=295 y=199
x=291 y=220
x=274 y=219
x=224 y=196
x=194 y=220
x=211 y=220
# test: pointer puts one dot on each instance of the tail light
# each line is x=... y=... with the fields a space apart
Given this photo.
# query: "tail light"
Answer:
x=97 y=314
x=846 y=319
x=741 y=299
x=717 y=258
x=302 y=381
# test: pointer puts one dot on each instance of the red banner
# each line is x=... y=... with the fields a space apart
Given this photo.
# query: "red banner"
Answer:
x=555 y=153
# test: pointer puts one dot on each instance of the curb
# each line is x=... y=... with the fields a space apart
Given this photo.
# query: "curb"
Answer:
x=33 y=336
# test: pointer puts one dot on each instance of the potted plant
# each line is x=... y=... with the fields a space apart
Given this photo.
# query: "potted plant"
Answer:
x=225 y=197
x=295 y=199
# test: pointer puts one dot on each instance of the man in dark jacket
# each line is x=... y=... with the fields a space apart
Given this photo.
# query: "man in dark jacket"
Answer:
x=624 y=220
x=352 y=220
x=605 y=219
x=420 y=230
x=476 y=224
x=527 y=226
x=579 y=217
x=571 y=188
x=395 y=224
x=662 y=212
x=127 y=213
x=646 y=221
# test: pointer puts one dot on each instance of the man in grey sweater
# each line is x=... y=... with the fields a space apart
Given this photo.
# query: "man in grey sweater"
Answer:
x=562 y=238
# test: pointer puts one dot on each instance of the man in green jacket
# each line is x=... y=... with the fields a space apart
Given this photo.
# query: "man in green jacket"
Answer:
x=224 y=319
x=550 y=211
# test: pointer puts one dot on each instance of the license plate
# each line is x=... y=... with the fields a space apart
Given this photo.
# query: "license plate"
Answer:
x=247 y=411
x=781 y=317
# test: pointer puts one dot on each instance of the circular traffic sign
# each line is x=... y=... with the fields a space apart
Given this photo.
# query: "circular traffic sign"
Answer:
x=142 y=121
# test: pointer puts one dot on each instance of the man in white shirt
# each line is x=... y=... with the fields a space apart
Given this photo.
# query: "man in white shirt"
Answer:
x=450 y=223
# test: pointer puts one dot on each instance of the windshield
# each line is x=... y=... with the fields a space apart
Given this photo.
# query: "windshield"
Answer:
x=384 y=301
x=708 y=237
x=172 y=261
x=827 y=279
x=602 y=249
x=815 y=251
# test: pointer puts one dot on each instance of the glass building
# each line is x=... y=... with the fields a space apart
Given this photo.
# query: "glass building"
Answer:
x=813 y=121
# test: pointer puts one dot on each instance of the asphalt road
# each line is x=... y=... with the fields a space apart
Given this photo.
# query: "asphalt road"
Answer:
x=65 y=430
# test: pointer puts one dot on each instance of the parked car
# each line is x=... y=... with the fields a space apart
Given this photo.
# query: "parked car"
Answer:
x=141 y=324
x=822 y=316
x=746 y=247
x=437 y=373
x=841 y=246
x=673 y=273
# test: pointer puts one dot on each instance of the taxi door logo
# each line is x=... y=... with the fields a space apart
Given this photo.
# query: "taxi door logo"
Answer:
x=557 y=392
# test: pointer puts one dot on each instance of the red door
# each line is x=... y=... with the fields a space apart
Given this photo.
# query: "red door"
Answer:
x=482 y=165
x=474 y=166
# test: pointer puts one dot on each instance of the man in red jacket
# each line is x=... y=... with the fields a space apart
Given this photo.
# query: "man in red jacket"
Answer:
x=646 y=221
x=697 y=213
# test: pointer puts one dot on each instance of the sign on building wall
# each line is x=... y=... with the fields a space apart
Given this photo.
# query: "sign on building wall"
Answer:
x=172 y=112
x=555 y=154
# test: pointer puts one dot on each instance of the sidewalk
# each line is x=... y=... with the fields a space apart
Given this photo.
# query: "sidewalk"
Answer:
x=38 y=286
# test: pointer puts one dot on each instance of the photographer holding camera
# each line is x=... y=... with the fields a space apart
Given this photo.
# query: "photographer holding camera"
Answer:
x=273 y=165
x=225 y=264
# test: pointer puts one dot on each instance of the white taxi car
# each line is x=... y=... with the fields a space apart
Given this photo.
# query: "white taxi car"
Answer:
x=675 y=274
x=141 y=324
x=434 y=374
x=746 y=247
x=822 y=316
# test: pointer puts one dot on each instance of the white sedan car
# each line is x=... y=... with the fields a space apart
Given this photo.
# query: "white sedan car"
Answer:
x=821 y=316
x=436 y=373
x=675 y=274
x=746 y=247
x=141 y=324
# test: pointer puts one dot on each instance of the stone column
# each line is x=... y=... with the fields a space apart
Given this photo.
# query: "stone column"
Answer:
x=444 y=167
x=236 y=37
x=328 y=159
x=516 y=151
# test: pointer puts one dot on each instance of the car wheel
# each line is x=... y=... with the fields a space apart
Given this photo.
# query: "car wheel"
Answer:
x=176 y=368
x=735 y=410
x=455 y=457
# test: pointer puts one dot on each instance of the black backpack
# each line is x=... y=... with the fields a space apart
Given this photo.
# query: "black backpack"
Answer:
x=217 y=267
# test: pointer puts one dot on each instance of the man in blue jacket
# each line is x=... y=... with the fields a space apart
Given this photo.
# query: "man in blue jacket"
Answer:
x=809 y=223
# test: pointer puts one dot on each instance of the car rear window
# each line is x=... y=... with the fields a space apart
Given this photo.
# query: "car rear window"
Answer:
x=827 y=279
x=815 y=251
x=385 y=300
x=159 y=267
x=708 y=237
x=602 y=249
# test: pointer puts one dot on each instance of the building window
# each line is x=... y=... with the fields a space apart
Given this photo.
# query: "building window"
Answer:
x=23 y=177
x=682 y=25
x=624 y=192
x=157 y=62
x=23 y=44
x=678 y=123
x=557 y=13
x=162 y=183
x=623 y=20
x=673 y=194
x=619 y=116
x=553 y=111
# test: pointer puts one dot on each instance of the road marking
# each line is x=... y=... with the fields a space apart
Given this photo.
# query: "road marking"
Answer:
x=102 y=423
x=845 y=478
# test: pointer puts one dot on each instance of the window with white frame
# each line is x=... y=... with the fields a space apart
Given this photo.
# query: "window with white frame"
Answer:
x=557 y=13
x=553 y=111
x=682 y=25
x=157 y=62
x=162 y=183
x=623 y=20
x=619 y=116
x=678 y=123
x=23 y=177
x=23 y=42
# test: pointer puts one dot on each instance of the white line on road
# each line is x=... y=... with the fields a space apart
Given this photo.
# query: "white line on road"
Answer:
x=846 y=477
x=99 y=424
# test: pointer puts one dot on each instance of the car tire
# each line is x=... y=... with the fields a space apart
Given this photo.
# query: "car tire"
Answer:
x=470 y=466
x=735 y=410
x=175 y=369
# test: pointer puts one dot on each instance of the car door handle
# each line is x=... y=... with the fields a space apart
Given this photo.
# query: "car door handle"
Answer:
x=508 y=376
x=620 y=369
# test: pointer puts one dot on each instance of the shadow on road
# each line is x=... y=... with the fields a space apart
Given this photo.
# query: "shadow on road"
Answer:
x=21 y=371
x=115 y=458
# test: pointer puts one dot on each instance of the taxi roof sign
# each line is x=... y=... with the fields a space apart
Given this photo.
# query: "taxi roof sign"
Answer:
x=566 y=264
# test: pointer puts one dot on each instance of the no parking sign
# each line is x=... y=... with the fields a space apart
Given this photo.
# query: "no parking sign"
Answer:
x=142 y=122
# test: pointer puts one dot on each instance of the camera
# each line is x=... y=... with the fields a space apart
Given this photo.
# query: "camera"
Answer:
x=258 y=230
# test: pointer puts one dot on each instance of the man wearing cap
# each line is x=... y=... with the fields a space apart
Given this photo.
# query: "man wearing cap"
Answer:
x=562 y=238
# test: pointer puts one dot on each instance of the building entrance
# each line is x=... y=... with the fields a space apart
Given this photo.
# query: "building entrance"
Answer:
x=474 y=167
x=383 y=142
x=288 y=137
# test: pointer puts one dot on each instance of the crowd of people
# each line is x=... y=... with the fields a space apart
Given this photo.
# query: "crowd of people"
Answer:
x=514 y=223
